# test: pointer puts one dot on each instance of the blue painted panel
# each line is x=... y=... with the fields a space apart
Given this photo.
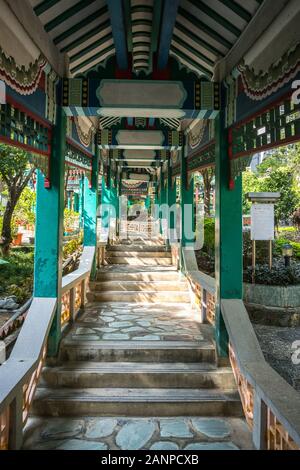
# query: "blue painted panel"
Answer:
x=36 y=103
x=117 y=20
x=166 y=31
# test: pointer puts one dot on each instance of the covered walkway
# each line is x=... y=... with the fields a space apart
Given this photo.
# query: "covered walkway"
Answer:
x=132 y=99
x=133 y=360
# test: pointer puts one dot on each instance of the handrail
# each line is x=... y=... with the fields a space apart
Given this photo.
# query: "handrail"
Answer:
x=19 y=375
x=270 y=390
x=271 y=405
x=85 y=266
x=14 y=321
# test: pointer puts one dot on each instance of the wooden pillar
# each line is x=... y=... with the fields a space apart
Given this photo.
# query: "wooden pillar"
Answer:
x=49 y=230
x=228 y=235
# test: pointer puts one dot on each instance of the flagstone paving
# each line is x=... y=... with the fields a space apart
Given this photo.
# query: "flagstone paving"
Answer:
x=137 y=433
x=134 y=321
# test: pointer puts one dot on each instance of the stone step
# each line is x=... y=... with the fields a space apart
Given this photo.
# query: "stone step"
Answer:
x=139 y=297
x=137 y=351
x=129 y=286
x=136 y=402
x=139 y=261
x=143 y=276
x=143 y=375
x=139 y=248
x=139 y=254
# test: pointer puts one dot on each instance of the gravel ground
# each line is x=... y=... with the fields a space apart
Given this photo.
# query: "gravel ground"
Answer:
x=277 y=346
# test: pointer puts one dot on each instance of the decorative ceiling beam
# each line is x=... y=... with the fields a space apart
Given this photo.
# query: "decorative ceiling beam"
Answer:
x=117 y=19
x=85 y=22
x=238 y=9
x=91 y=47
x=192 y=50
x=203 y=8
x=191 y=61
x=23 y=11
x=85 y=37
x=203 y=27
x=169 y=15
x=44 y=6
x=187 y=32
x=67 y=14
x=127 y=11
x=142 y=98
x=263 y=18
x=157 y=9
x=92 y=59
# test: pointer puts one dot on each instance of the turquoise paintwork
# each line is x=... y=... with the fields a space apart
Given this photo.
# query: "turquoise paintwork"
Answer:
x=105 y=201
x=171 y=200
x=76 y=202
x=229 y=236
x=49 y=230
x=90 y=205
x=187 y=204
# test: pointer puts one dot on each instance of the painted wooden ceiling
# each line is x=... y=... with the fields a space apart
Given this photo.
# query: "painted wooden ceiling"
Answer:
x=142 y=34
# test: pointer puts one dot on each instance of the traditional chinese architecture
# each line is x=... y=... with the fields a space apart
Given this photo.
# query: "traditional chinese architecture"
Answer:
x=133 y=98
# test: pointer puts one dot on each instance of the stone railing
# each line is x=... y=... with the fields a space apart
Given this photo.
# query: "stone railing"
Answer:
x=74 y=286
x=271 y=406
x=20 y=374
x=143 y=228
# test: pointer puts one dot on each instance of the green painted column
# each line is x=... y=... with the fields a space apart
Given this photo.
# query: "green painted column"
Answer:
x=49 y=230
x=105 y=202
x=229 y=235
x=187 y=204
x=76 y=202
x=171 y=199
x=81 y=201
x=161 y=198
x=90 y=204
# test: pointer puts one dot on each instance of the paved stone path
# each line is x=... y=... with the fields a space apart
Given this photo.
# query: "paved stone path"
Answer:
x=120 y=433
x=137 y=322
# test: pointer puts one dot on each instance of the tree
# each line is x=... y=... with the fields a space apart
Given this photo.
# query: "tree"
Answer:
x=279 y=172
x=16 y=172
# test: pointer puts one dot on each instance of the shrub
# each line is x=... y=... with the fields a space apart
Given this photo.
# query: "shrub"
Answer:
x=209 y=236
x=71 y=246
x=279 y=275
x=282 y=241
x=16 y=278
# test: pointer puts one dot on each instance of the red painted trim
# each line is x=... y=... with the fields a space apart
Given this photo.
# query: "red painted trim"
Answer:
x=26 y=147
x=32 y=115
x=279 y=82
x=77 y=146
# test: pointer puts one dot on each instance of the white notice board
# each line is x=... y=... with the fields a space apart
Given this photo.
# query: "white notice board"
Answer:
x=262 y=222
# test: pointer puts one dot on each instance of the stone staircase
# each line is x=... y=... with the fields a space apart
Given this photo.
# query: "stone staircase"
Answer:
x=138 y=350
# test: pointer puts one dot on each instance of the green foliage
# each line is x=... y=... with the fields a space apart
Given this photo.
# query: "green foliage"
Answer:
x=279 y=275
x=71 y=220
x=209 y=236
x=13 y=162
x=279 y=172
x=283 y=241
x=72 y=246
x=24 y=212
x=16 y=278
